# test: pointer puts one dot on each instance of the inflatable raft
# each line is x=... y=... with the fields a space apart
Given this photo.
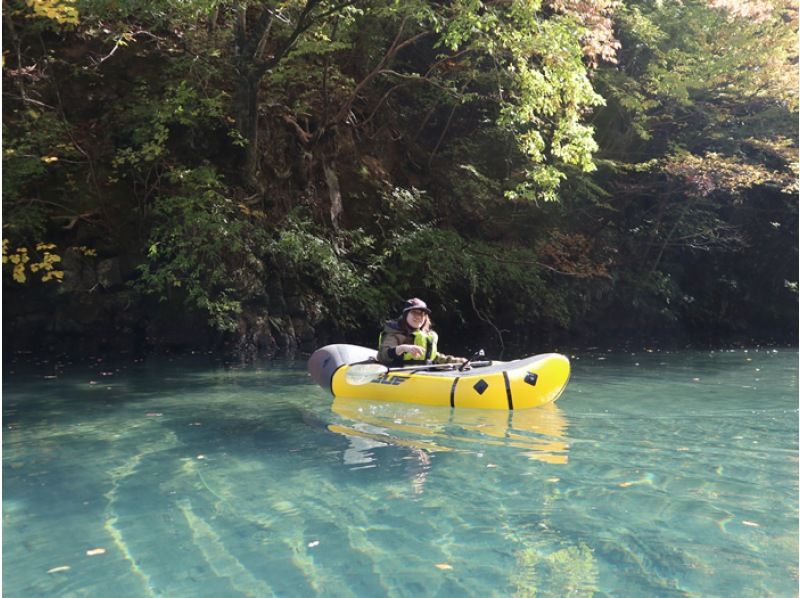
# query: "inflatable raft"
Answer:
x=352 y=371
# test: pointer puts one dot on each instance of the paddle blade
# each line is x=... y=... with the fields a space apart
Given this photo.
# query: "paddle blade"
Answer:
x=364 y=373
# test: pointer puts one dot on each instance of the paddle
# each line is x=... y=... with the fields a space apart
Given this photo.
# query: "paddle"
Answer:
x=363 y=373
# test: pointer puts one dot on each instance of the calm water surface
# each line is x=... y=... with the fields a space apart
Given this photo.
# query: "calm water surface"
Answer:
x=655 y=474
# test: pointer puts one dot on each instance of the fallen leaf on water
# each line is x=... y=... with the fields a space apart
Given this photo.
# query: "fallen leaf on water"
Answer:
x=59 y=569
x=750 y=523
x=444 y=566
x=313 y=544
x=153 y=414
x=95 y=551
x=625 y=484
x=491 y=465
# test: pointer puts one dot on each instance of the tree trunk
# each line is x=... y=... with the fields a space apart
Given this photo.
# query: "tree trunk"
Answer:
x=246 y=103
x=332 y=181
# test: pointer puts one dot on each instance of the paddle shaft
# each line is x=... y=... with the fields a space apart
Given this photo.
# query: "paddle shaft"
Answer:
x=359 y=374
x=363 y=373
x=412 y=368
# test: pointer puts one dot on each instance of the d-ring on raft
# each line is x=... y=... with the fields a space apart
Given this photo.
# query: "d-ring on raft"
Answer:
x=351 y=371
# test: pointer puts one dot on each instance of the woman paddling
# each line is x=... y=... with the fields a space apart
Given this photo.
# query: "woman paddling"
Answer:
x=410 y=340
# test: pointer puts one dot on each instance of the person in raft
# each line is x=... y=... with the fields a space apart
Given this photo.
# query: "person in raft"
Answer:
x=410 y=340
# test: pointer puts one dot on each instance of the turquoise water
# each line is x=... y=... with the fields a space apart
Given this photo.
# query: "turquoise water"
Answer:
x=655 y=474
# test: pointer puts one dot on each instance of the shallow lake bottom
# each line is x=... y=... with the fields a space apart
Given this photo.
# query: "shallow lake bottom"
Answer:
x=655 y=474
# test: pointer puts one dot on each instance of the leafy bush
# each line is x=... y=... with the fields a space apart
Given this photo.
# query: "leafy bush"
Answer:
x=204 y=246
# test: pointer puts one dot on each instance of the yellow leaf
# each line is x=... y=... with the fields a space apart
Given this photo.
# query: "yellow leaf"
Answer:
x=19 y=273
x=49 y=159
x=444 y=566
x=57 y=275
x=61 y=11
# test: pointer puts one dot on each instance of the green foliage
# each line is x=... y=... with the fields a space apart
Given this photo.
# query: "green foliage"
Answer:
x=203 y=247
x=540 y=83
x=701 y=73
x=394 y=148
x=148 y=120
x=491 y=278
x=701 y=88
x=33 y=150
x=39 y=165
x=101 y=15
x=335 y=273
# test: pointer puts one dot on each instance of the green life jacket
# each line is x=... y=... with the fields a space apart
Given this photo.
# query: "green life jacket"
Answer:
x=426 y=340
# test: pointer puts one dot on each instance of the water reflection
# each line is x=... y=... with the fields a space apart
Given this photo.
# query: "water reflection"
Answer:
x=538 y=433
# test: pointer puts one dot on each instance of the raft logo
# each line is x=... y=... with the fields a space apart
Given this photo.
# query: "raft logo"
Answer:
x=387 y=379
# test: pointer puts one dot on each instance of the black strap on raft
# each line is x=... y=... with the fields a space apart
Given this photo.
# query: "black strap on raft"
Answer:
x=453 y=391
x=508 y=390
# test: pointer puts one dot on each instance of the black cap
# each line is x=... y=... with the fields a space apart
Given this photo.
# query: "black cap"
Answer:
x=415 y=304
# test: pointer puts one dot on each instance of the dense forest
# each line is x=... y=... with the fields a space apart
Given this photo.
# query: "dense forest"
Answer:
x=259 y=178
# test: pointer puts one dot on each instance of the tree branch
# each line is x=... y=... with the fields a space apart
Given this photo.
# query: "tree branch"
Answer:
x=528 y=263
x=301 y=27
x=390 y=54
x=441 y=137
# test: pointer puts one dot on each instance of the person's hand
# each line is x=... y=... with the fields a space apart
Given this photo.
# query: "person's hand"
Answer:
x=415 y=350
